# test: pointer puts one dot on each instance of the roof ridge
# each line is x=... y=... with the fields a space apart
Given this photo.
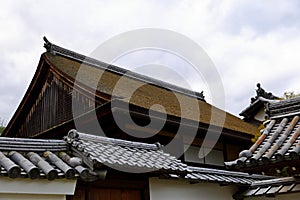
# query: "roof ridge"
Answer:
x=28 y=140
x=26 y=144
x=284 y=108
x=227 y=172
x=276 y=181
x=75 y=135
x=286 y=100
x=55 y=49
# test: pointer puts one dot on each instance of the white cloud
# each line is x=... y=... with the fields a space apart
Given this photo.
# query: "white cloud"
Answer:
x=244 y=61
x=248 y=41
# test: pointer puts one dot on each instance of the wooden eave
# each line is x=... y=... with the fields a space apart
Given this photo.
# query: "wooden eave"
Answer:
x=232 y=122
x=59 y=62
x=36 y=83
x=40 y=78
x=105 y=113
x=141 y=112
x=99 y=97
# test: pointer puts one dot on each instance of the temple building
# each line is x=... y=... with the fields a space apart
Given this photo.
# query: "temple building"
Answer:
x=68 y=139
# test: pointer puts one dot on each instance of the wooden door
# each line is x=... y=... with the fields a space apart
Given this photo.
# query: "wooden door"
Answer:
x=111 y=190
x=114 y=194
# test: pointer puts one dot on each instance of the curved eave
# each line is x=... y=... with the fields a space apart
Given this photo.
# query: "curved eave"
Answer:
x=70 y=81
x=39 y=80
x=144 y=97
x=252 y=109
x=46 y=66
x=136 y=110
x=35 y=84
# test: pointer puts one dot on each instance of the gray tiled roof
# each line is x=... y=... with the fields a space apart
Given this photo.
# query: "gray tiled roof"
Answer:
x=198 y=174
x=141 y=157
x=122 y=155
x=272 y=188
x=88 y=156
x=285 y=107
x=35 y=158
x=279 y=140
x=255 y=106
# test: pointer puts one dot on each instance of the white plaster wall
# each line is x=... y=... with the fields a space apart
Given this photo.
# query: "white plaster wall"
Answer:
x=39 y=189
x=260 y=116
x=161 y=189
x=37 y=186
x=31 y=197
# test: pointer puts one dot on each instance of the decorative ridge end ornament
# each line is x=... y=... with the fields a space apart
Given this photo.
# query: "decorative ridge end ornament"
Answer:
x=72 y=134
x=259 y=103
x=200 y=95
x=48 y=45
x=260 y=92
x=58 y=50
x=159 y=146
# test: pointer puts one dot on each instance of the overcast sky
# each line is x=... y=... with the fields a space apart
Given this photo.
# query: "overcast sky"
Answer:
x=248 y=41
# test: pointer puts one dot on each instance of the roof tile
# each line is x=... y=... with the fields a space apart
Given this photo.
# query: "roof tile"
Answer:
x=38 y=158
x=198 y=174
x=279 y=140
x=82 y=155
x=272 y=187
x=121 y=153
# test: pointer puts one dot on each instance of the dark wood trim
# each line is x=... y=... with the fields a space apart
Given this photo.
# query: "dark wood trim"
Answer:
x=84 y=89
x=265 y=168
x=35 y=85
x=117 y=181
